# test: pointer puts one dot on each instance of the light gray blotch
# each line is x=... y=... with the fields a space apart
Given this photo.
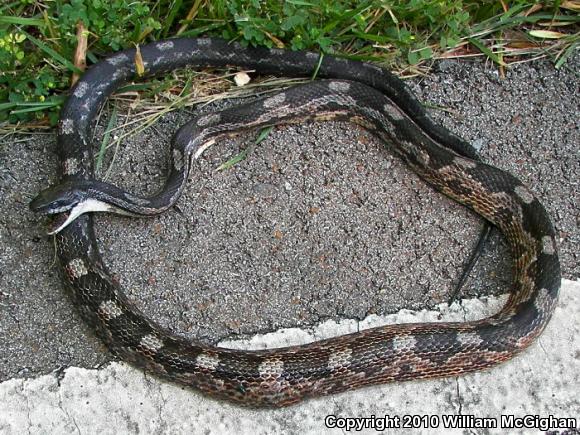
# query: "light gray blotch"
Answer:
x=274 y=101
x=464 y=163
x=423 y=157
x=375 y=68
x=162 y=46
x=469 y=338
x=405 y=342
x=77 y=268
x=110 y=310
x=71 y=166
x=271 y=367
x=542 y=300
x=81 y=89
x=212 y=118
x=548 y=245
x=394 y=113
x=205 y=42
x=66 y=126
x=118 y=73
x=151 y=343
x=206 y=361
x=312 y=55
x=177 y=160
x=339 y=86
x=410 y=147
x=339 y=358
x=524 y=194
x=117 y=59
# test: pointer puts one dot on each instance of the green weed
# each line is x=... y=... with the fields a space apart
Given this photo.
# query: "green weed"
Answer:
x=38 y=38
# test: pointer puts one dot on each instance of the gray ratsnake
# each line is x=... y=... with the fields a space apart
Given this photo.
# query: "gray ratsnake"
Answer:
x=347 y=90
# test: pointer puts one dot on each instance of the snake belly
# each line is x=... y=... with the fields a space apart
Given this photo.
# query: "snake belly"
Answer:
x=279 y=377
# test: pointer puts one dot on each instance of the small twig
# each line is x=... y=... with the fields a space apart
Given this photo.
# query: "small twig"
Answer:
x=190 y=16
x=80 y=59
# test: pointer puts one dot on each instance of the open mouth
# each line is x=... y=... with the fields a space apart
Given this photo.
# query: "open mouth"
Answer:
x=58 y=222
x=70 y=214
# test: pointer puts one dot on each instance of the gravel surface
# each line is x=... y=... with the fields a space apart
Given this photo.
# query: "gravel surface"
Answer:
x=320 y=222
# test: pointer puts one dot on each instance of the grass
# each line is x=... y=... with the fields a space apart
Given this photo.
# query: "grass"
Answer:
x=38 y=40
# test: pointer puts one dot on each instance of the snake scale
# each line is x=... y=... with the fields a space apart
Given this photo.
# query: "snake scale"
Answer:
x=347 y=90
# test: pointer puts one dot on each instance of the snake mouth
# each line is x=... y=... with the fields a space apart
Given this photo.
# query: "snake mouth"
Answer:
x=87 y=206
x=58 y=223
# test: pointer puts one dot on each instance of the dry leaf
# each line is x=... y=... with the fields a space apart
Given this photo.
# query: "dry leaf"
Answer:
x=533 y=9
x=555 y=23
x=573 y=5
x=276 y=41
x=546 y=34
x=139 y=65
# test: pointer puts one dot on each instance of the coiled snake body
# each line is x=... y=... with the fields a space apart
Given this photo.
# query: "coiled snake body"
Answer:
x=361 y=93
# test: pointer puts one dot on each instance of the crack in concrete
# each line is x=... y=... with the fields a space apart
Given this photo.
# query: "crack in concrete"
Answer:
x=458 y=397
x=70 y=417
x=161 y=407
x=542 y=346
x=28 y=418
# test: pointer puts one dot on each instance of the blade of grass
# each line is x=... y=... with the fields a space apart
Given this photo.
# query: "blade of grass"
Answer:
x=264 y=133
x=23 y=21
x=167 y=23
x=36 y=106
x=110 y=125
x=6 y=106
x=481 y=47
x=374 y=38
x=495 y=24
x=9 y=6
x=234 y=160
x=53 y=102
x=118 y=143
x=300 y=3
x=244 y=154
x=564 y=56
x=202 y=29
x=315 y=73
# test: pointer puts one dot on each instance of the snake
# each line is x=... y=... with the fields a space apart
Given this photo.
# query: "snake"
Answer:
x=343 y=89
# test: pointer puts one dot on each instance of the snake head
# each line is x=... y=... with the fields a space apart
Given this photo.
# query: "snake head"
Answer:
x=70 y=199
x=57 y=199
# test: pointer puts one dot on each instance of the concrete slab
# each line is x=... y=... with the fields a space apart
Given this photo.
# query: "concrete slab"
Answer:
x=526 y=391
